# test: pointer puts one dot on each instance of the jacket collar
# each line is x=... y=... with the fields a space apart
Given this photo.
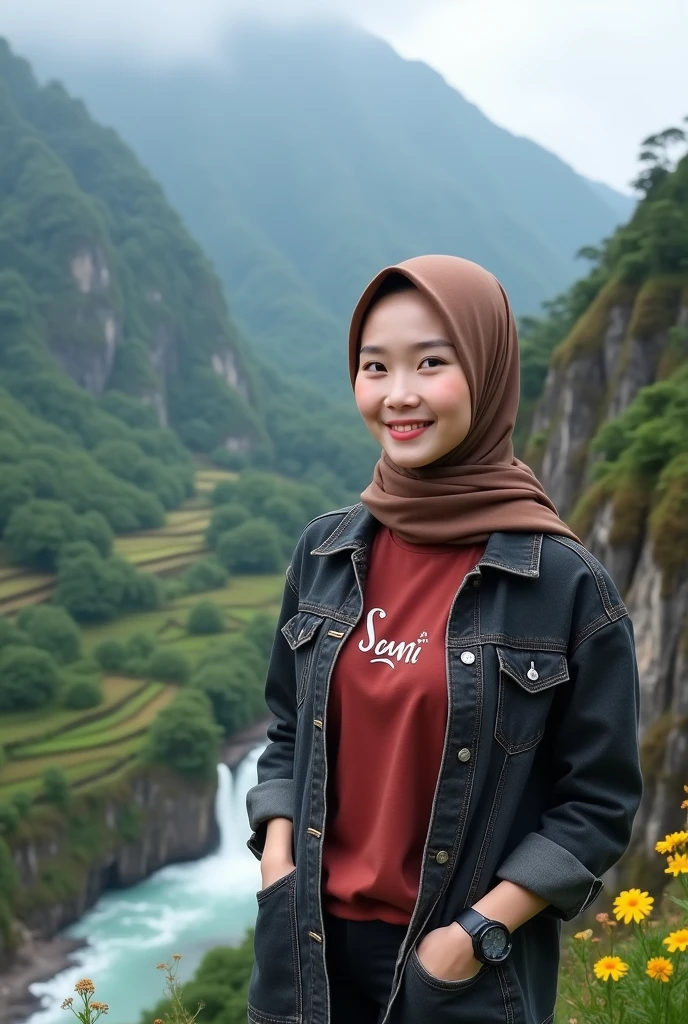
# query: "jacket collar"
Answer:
x=517 y=553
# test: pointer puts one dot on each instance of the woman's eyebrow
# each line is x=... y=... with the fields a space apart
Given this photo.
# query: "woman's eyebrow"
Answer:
x=378 y=350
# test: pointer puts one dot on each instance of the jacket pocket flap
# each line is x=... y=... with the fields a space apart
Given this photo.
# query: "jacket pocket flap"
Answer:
x=299 y=629
x=533 y=670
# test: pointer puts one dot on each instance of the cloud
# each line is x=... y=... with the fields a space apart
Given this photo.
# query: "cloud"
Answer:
x=171 y=30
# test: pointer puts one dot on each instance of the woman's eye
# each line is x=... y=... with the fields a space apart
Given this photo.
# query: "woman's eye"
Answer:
x=433 y=359
x=370 y=366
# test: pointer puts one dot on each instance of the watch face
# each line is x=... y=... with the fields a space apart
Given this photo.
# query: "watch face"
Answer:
x=494 y=942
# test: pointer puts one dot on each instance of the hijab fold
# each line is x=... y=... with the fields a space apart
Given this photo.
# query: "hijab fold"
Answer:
x=479 y=487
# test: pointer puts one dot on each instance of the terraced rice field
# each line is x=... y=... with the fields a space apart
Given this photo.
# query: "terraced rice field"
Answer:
x=85 y=745
x=178 y=543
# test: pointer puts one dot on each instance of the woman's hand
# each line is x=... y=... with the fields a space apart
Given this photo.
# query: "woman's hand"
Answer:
x=272 y=869
x=447 y=954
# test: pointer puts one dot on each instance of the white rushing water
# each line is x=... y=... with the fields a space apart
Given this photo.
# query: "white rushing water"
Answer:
x=185 y=908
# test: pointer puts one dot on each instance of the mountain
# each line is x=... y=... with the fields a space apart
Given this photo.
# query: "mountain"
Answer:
x=609 y=440
x=314 y=156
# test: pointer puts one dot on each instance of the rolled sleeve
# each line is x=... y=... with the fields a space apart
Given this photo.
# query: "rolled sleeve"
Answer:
x=597 y=783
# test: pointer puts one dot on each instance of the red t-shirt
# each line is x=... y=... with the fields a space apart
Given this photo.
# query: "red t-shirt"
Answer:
x=386 y=720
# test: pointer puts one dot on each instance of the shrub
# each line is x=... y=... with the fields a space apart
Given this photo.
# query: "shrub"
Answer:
x=253 y=547
x=207 y=574
x=56 y=787
x=205 y=617
x=80 y=694
x=29 y=678
x=232 y=693
x=261 y=633
x=22 y=801
x=185 y=738
x=3 y=757
x=224 y=492
x=36 y=531
x=9 y=634
x=94 y=528
x=9 y=819
x=169 y=667
x=225 y=518
x=110 y=655
x=139 y=645
x=53 y=630
x=88 y=589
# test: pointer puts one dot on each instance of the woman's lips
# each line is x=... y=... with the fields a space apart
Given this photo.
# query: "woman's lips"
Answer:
x=406 y=435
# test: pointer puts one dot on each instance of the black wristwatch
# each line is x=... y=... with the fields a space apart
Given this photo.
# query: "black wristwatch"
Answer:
x=491 y=939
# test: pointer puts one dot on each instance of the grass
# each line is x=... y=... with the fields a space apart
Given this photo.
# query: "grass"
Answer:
x=32 y=726
x=113 y=764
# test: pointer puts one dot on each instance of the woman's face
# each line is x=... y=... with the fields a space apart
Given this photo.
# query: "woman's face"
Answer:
x=410 y=388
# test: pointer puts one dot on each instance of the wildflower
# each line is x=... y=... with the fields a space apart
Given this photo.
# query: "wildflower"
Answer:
x=85 y=987
x=670 y=842
x=178 y=956
x=583 y=935
x=632 y=905
x=602 y=917
x=677 y=940
x=157 y=1021
x=596 y=939
x=660 y=968
x=678 y=865
x=610 y=967
x=101 y=1007
x=162 y=967
x=67 y=1003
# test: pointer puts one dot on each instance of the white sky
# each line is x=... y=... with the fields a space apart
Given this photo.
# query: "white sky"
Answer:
x=588 y=79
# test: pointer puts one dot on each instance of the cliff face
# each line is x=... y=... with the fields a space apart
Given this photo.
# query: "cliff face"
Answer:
x=117 y=839
x=620 y=346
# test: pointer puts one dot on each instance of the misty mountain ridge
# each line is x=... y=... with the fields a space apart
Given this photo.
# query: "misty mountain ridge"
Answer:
x=315 y=156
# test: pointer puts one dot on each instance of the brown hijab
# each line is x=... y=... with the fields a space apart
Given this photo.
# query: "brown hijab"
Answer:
x=478 y=487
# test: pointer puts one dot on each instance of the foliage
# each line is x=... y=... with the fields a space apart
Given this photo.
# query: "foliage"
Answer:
x=110 y=655
x=220 y=984
x=253 y=547
x=56 y=787
x=206 y=574
x=231 y=674
x=185 y=737
x=169 y=666
x=53 y=630
x=29 y=678
x=637 y=975
x=225 y=517
x=84 y=693
x=205 y=617
x=9 y=819
x=95 y=589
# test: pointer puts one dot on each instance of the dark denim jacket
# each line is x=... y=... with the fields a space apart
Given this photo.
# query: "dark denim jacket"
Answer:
x=539 y=781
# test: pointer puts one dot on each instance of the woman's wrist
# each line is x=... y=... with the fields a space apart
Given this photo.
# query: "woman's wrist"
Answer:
x=278 y=842
x=510 y=904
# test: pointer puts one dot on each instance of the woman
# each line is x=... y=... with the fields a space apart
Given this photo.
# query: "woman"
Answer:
x=454 y=757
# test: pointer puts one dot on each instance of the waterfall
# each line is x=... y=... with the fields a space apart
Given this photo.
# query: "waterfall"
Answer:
x=184 y=908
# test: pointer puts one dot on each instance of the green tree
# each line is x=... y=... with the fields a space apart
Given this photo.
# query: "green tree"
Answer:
x=29 y=678
x=206 y=574
x=253 y=547
x=261 y=633
x=185 y=737
x=36 y=531
x=56 y=787
x=232 y=691
x=169 y=666
x=88 y=588
x=206 y=617
x=9 y=819
x=224 y=518
x=110 y=655
x=53 y=630
x=80 y=694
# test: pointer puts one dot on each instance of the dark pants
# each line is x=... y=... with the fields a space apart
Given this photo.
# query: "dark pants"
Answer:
x=360 y=958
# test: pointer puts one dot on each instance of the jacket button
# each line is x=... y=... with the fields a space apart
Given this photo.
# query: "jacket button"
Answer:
x=467 y=657
x=464 y=754
x=442 y=857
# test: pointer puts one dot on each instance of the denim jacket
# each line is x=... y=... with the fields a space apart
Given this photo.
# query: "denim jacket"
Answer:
x=539 y=779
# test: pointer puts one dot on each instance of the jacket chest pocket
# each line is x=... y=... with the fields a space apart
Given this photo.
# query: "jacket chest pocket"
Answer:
x=301 y=632
x=528 y=681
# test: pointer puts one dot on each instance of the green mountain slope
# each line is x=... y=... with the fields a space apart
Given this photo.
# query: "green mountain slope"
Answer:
x=314 y=157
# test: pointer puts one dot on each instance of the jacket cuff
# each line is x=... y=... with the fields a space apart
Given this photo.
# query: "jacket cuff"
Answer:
x=273 y=798
x=550 y=871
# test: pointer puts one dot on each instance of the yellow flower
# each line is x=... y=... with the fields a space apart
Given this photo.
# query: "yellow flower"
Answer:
x=677 y=940
x=660 y=968
x=610 y=967
x=583 y=935
x=632 y=905
x=678 y=865
x=670 y=842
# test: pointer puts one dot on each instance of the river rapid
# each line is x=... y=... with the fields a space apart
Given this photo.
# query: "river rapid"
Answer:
x=185 y=908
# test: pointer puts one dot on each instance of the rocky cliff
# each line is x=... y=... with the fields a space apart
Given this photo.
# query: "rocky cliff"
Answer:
x=630 y=338
x=65 y=858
